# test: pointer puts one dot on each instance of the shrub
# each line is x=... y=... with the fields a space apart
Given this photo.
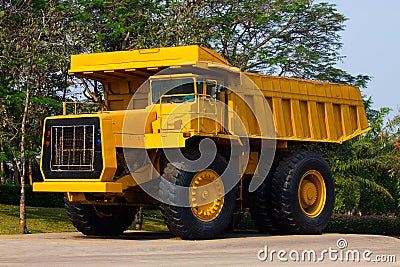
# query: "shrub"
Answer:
x=10 y=195
x=243 y=221
x=345 y=224
x=368 y=224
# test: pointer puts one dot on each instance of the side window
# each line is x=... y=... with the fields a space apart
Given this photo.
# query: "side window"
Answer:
x=211 y=87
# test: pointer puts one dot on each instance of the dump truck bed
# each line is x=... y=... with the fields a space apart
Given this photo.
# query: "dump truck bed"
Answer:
x=305 y=110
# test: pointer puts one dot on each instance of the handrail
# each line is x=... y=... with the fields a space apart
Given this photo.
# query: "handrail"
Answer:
x=75 y=104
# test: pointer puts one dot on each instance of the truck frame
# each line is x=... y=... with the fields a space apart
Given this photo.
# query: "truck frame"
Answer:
x=182 y=128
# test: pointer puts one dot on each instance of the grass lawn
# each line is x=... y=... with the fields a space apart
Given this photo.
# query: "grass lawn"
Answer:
x=53 y=220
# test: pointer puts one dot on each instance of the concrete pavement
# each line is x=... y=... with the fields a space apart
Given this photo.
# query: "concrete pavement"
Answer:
x=160 y=249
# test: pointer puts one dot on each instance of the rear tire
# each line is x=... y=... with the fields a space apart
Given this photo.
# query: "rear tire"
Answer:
x=100 y=220
x=188 y=222
x=261 y=208
x=303 y=194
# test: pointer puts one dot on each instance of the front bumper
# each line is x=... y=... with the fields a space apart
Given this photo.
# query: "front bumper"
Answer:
x=86 y=187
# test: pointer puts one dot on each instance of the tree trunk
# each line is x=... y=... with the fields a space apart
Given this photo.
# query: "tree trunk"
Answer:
x=2 y=169
x=30 y=171
x=139 y=219
x=22 y=214
x=17 y=170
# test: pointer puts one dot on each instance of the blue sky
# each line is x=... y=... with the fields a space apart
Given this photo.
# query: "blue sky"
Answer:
x=372 y=46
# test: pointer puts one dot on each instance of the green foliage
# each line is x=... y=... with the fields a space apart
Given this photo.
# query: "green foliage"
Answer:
x=298 y=38
x=33 y=63
x=290 y=38
x=244 y=221
x=377 y=225
x=367 y=168
x=345 y=224
x=10 y=195
x=97 y=25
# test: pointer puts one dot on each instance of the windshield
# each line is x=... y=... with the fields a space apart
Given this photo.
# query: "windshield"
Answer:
x=173 y=90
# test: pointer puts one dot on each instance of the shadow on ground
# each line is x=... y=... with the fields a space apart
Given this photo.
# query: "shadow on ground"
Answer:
x=153 y=235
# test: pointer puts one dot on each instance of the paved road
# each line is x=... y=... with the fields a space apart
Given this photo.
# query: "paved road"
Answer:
x=160 y=249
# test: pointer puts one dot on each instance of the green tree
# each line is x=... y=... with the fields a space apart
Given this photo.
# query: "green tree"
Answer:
x=294 y=38
x=367 y=168
x=33 y=60
x=97 y=25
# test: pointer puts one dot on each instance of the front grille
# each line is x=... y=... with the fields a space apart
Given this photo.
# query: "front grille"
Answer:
x=72 y=148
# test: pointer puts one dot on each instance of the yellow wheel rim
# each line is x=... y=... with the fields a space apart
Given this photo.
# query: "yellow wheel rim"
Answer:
x=312 y=193
x=206 y=195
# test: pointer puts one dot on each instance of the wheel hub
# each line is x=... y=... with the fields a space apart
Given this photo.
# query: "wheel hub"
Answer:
x=312 y=193
x=309 y=193
x=206 y=195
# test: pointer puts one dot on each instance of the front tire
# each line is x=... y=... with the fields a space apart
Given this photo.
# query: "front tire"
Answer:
x=303 y=194
x=203 y=221
x=100 y=220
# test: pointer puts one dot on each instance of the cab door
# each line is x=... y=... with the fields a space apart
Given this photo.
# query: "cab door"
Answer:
x=208 y=110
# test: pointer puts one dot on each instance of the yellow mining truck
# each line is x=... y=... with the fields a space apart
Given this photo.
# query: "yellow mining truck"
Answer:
x=181 y=127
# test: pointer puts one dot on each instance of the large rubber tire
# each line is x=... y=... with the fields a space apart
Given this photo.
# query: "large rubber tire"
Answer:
x=180 y=220
x=261 y=208
x=291 y=217
x=100 y=220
